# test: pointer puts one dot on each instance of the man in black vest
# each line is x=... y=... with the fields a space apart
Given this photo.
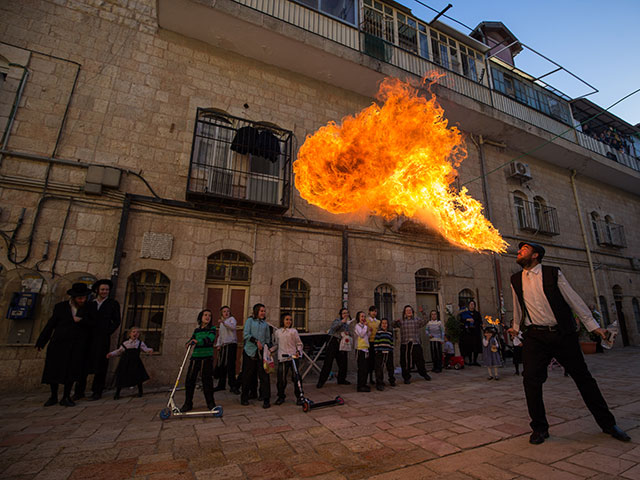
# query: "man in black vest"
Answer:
x=543 y=306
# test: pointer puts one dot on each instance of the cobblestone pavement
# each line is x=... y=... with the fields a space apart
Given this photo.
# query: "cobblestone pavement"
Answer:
x=458 y=426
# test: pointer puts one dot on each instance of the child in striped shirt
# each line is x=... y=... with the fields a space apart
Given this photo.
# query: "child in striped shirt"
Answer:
x=383 y=345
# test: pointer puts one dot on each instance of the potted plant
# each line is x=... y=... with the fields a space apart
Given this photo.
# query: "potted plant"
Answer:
x=453 y=330
x=588 y=340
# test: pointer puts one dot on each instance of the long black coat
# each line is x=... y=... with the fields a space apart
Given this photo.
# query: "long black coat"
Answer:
x=104 y=321
x=471 y=337
x=67 y=342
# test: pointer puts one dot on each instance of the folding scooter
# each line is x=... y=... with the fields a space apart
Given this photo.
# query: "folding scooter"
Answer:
x=308 y=404
x=172 y=408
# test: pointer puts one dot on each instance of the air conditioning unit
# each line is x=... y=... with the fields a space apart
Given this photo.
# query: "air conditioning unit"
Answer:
x=520 y=170
x=635 y=263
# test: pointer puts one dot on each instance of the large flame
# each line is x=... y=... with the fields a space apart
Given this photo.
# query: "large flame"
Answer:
x=491 y=321
x=395 y=159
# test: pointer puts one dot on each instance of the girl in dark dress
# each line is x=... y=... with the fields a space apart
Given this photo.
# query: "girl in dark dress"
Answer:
x=130 y=370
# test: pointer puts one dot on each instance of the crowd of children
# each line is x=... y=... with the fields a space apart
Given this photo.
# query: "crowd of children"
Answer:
x=214 y=347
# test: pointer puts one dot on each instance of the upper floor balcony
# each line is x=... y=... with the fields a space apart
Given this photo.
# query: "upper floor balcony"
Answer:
x=536 y=217
x=609 y=234
x=354 y=44
x=238 y=162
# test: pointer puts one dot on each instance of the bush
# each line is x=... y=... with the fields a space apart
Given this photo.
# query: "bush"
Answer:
x=453 y=328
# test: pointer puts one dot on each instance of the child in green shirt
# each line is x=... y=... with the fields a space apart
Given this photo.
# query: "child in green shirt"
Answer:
x=203 y=339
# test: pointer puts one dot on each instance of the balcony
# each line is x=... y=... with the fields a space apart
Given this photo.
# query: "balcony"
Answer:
x=357 y=53
x=609 y=234
x=238 y=163
x=536 y=217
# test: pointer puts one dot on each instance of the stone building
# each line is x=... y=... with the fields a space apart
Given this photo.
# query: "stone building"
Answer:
x=120 y=158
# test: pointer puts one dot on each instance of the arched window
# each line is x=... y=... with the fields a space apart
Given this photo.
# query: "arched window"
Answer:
x=605 y=311
x=538 y=212
x=464 y=297
x=294 y=298
x=228 y=266
x=636 y=312
x=384 y=298
x=146 y=303
x=519 y=200
x=426 y=281
x=596 y=230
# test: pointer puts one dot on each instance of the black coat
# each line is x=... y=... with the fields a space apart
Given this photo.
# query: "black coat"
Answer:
x=67 y=341
x=104 y=322
x=471 y=337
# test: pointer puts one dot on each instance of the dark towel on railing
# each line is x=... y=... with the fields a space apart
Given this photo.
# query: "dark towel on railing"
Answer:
x=262 y=143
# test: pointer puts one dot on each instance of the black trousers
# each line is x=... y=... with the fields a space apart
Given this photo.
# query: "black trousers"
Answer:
x=227 y=366
x=363 y=367
x=285 y=369
x=436 y=355
x=251 y=366
x=334 y=353
x=517 y=357
x=195 y=366
x=411 y=351
x=538 y=349
x=372 y=362
x=384 y=359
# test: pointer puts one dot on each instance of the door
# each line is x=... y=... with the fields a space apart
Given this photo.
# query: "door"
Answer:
x=236 y=297
x=428 y=301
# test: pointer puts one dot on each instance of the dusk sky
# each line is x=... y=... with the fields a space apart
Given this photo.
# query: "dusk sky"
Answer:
x=597 y=41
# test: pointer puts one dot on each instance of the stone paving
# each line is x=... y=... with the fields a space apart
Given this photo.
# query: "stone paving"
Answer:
x=459 y=426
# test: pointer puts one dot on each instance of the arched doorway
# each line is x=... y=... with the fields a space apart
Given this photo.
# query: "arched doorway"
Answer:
x=227 y=283
x=617 y=298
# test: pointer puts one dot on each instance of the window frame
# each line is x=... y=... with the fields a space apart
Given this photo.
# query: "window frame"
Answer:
x=287 y=290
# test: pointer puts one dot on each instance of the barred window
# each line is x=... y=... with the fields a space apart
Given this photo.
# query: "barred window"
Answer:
x=384 y=298
x=426 y=281
x=228 y=266
x=146 y=303
x=294 y=298
x=464 y=297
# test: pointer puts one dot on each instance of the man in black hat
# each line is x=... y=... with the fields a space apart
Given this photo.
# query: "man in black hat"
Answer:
x=105 y=314
x=66 y=333
x=543 y=308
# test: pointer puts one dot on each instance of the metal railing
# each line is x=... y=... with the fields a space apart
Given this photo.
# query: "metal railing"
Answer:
x=240 y=162
x=536 y=217
x=368 y=41
x=610 y=234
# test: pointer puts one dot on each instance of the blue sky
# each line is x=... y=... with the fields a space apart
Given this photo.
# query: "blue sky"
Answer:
x=597 y=41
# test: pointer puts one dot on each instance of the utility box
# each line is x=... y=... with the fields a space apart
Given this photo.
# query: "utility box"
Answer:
x=21 y=314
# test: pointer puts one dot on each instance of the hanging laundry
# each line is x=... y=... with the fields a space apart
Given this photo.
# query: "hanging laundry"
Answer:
x=268 y=146
x=245 y=141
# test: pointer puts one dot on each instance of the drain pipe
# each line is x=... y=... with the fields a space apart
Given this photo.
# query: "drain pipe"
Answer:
x=345 y=268
x=586 y=244
x=497 y=274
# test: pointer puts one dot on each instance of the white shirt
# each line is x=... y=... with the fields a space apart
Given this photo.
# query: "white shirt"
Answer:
x=538 y=308
x=129 y=345
x=227 y=332
x=288 y=342
x=99 y=302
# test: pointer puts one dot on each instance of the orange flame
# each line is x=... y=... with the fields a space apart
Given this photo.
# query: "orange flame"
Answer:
x=491 y=321
x=395 y=159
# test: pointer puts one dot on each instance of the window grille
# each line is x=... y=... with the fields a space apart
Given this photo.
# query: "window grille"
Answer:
x=384 y=299
x=426 y=281
x=229 y=266
x=536 y=217
x=294 y=298
x=240 y=163
x=147 y=292
x=464 y=297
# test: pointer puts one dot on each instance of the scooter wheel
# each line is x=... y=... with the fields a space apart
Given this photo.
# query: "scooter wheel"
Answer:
x=306 y=406
x=457 y=366
x=339 y=400
x=165 y=413
x=217 y=412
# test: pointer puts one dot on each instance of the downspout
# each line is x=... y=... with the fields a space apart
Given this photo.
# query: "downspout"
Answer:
x=497 y=274
x=345 y=268
x=117 y=255
x=14 y=108
x=586 y=244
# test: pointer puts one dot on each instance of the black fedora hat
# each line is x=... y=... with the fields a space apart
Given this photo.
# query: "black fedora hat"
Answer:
x=79 y=290
x=102 y=281
x=539 y=249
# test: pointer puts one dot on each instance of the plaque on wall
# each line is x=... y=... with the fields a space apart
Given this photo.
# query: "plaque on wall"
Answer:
x=157 y=245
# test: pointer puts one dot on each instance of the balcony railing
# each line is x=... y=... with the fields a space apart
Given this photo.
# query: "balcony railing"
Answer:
x=609 y=234
x=536 y=217
x=239 y=163
x=607 y=151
